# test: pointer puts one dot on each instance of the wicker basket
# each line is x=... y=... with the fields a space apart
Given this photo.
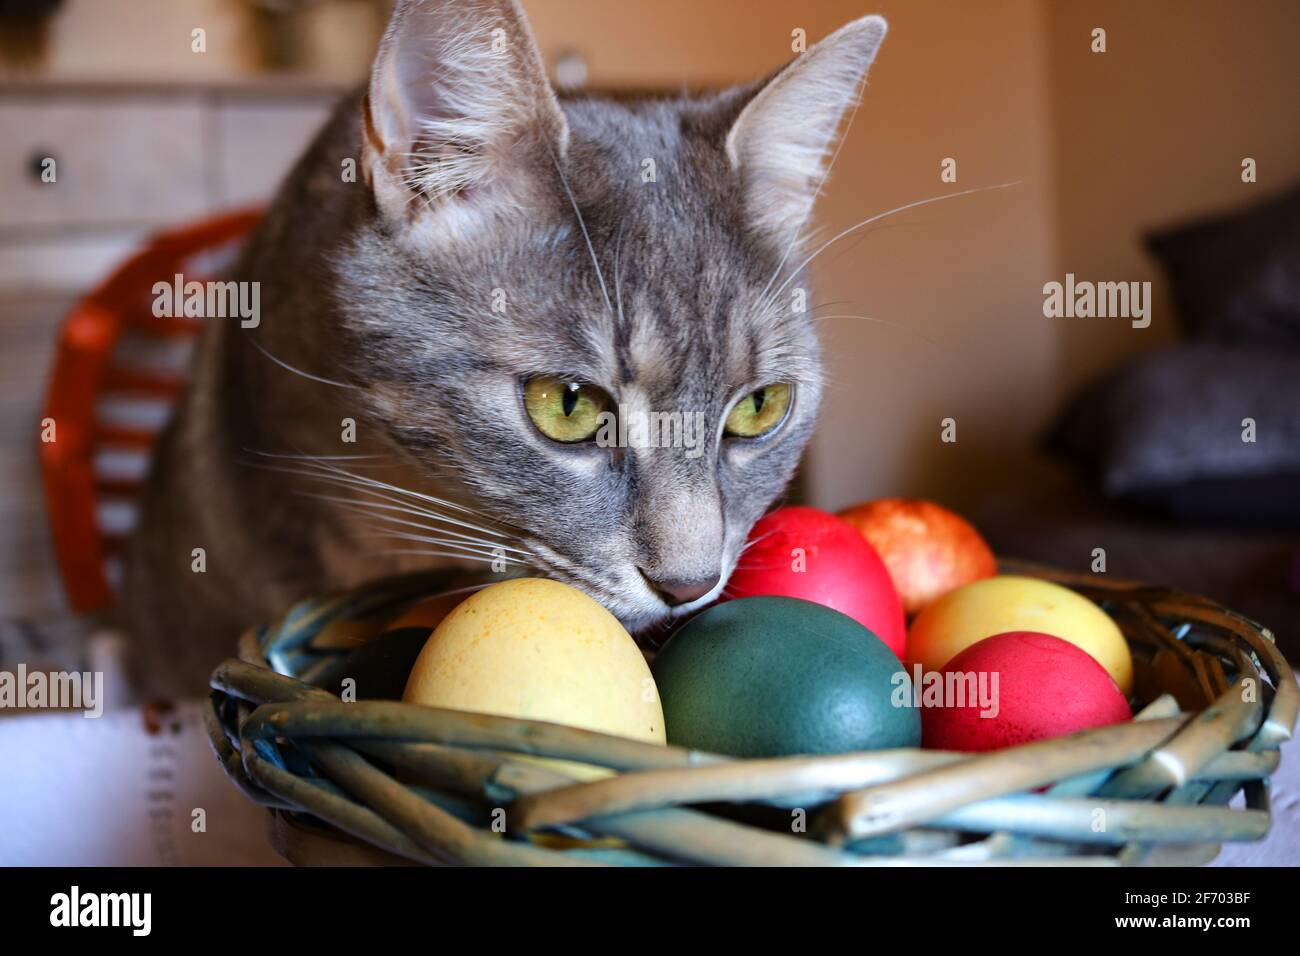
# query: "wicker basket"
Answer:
x=379 y=781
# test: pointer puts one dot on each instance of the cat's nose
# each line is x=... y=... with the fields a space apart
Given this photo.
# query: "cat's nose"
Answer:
x=675 y=592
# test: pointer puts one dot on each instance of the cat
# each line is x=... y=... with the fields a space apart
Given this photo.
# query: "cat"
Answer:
x=439 y=332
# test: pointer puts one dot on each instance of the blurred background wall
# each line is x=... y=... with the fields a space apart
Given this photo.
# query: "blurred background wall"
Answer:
x=1154 y=132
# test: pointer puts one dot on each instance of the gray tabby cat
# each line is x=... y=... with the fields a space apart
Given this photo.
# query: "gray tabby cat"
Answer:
x=506 y=266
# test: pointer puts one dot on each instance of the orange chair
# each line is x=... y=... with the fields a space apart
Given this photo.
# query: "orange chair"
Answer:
x=117 y=371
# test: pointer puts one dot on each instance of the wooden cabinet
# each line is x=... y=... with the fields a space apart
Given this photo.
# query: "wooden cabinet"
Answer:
x=257 y=141
x=114 y=160
x=129 y=160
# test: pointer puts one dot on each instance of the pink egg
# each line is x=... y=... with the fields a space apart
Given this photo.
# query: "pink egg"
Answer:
x=1019 y=686
x=813 y=555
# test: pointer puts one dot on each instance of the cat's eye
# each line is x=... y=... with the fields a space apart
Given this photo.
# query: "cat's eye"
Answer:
x=760 y=411
x=565 y=411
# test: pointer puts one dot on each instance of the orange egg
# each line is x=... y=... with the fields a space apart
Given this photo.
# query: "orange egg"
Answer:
x=927 y=549
x=428 y=613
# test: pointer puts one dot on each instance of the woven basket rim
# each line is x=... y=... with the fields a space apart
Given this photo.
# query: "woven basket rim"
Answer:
x=1161 y=783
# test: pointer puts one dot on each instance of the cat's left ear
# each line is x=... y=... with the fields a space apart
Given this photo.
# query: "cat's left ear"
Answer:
x=779 y=143
x=459 y=119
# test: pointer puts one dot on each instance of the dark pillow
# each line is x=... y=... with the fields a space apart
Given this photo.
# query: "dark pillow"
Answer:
x=1236 y=278
x=1165 y=430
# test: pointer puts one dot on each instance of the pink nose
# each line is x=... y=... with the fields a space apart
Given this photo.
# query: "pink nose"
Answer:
x=675 y=593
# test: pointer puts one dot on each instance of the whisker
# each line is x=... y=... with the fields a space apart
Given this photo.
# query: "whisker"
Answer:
x=753 y=541
x=402 y=505
x=367 y=510
x=419 y=496
x=297 y=371
x=861 y=237
x=322 y=471
x=876 y=218
x=896 y=325
x=396 y=504
x=583 y=226
x=814 y=309
x=302 y=456
x=357 y=461
x=425 y=552
x=454 y=591
x=618 y=273
x=462 y=549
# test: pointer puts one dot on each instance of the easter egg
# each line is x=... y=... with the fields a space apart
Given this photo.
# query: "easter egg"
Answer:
x=995 y=605
x=813 y=555
x=429 y=612
x=928 y=549
x=773 y=676
x=539 y=650
x=1019 y=687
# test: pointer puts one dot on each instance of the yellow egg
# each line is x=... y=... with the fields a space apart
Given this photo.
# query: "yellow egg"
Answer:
x=1007 y=603
x=539 y=650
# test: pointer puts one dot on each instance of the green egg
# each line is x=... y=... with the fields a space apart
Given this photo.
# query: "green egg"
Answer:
x=775 y=676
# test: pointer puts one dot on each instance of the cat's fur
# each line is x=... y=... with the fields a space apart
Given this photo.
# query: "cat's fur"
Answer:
x=475 y=181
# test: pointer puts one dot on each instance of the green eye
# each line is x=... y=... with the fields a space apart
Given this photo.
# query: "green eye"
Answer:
x=760 y=411
x=564 y=411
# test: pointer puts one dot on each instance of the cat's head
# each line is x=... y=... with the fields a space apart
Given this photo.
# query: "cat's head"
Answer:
x=529 y=262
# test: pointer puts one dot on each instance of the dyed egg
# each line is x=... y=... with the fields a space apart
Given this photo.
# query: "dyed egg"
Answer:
x=928 y=549
x=772 y=676
x=429 y=612
x=1016 y=688
x=1008 y=603
x=539 y=650
x=813 y=555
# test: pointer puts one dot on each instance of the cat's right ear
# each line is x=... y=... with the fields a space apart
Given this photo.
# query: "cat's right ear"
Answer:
x=458 y=113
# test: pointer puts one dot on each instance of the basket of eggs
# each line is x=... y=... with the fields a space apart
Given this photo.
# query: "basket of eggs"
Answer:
x=1022 y=717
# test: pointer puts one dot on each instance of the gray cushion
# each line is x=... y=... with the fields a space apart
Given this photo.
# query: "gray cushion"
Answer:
x=1236 y=278
x=1166 y=429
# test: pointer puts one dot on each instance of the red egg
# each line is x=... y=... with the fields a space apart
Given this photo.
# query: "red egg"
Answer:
x=813 y=555
x=1025 y=686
